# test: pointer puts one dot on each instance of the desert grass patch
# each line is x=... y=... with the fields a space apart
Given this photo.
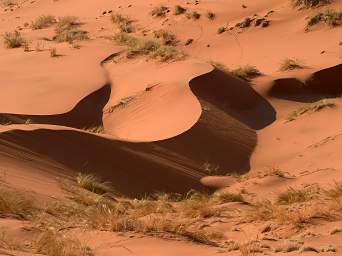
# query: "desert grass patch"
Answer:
x=92 y=183
x=147 y=47
x=43 y=21
x=67 y=30
x=193 y=15
x=15 y=204
x=291 y=64
x=13 y=39
x=210 y=15
x=310 y=3
x=246 y=72
x=330 y=17
x=123 y=22
x=311 y=108
x=54 y=243
x=165 y=36
x=225 y=197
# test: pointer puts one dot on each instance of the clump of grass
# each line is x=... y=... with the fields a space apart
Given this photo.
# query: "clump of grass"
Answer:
x=221 y=30
x=335 y=192
x=13 y=39
x=231 y=197
x=330 y=17
x=56 y=244
x=43 y=21
x=160 y=11
x=15 y=204
x=123 y=22
x=93 y=184
x=245 y=23
x=220 y=66
x=293 y=195
x=291 y=64
x=67 y=30
x=198 y=205
x=314 y=107
x=166 y=37
x=193 y=15
x=179 y=10
x=210 y=15
x=147 y=47
x=310 y=3
x=246 y=72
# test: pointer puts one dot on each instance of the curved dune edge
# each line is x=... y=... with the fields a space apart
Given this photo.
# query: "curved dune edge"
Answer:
x=323 y=83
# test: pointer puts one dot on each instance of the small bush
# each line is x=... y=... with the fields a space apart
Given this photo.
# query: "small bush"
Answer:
x=160 y=11
x=221 y=30
x=330 y=17
x=246 y=72
x=53 y=52
x=310 y=3
x=230 y=197
x=124 y=23
x=166 y=37
x=13 y=39
x=290 y=64
x=43 y=21
x=93 y=184
x=179 y=10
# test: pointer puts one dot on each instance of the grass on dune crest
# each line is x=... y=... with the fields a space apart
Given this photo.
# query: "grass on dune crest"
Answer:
x=291 y=64
x=43 y=21
x=123 y=22
x=67 y=30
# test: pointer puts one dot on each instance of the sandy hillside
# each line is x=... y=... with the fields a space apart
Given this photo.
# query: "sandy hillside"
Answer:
x=159 y=128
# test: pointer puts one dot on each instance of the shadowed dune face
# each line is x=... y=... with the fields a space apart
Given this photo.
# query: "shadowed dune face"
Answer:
x=135 y=169
x=322 y=84
x=235 y=97
x=87 y=113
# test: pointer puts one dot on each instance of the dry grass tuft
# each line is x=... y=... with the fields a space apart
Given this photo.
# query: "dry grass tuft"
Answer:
x=15 y=204
x=314 y=107
x=13 y=39
x=124 y=23
x=179 y=10
x=67 y=30
x=54 y=243
x=193 y=15
x=292 y=195
x=166 y=37
x=149 y=48
x=310 y=3
x=210 y=15
x=246 y=72
x=93 y=184
x=160 y=11
x=43 y=21
x=291 y=64
x=231 y=197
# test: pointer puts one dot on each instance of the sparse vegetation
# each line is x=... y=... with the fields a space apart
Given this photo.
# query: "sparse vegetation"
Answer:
x=148 y=47
x=43 y=21
x=6 y=242
x=166 y=37
x=330 y=17
x=13 y=39
x=53 y=52
x=290 y=64
x=67 y=30
x=93 y=184
x=231 y=197
x=221 y=30
x=179 y=10
x=123 y=22
x=246 y=72
x=310 y=3
x=160 y=11
x=314 y=107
